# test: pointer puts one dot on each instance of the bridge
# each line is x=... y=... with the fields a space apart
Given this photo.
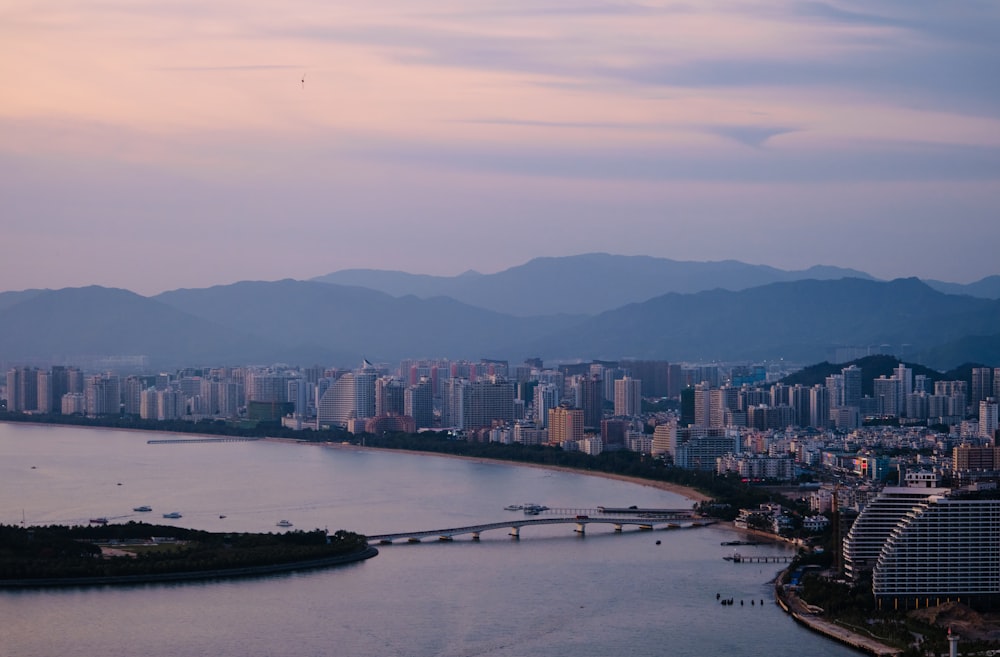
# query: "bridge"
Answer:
x=647 y=521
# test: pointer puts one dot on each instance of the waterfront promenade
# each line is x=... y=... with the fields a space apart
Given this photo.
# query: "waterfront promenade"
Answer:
x=795 y=607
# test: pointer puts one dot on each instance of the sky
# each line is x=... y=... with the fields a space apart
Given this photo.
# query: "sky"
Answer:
x=160 y=144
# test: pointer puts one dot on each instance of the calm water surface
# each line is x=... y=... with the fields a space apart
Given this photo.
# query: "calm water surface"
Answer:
x=552 y=593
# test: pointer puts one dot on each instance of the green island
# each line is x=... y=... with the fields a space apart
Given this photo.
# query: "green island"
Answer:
x=137 y=552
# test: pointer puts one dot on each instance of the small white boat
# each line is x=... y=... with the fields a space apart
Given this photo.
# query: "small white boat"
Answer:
x=143 y=508
x=172 y=514
x=284 y=523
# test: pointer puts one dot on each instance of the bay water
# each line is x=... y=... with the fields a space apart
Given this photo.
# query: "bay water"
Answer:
x=552 y=593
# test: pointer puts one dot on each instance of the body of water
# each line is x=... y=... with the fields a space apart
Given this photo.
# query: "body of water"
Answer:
x=550 y=594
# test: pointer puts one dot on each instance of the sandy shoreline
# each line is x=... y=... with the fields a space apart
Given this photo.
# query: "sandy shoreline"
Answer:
x=685 y=491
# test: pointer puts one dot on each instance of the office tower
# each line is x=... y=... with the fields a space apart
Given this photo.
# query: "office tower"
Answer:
x=852 y=385
x=565 y=424
x=591 y=400
x=546 y=397
x=982 y=385
x=418 y=403
x=389 y=396
x=628 y=397
x=688 y=406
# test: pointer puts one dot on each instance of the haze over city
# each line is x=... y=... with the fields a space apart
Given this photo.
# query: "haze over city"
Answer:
x=152 y=145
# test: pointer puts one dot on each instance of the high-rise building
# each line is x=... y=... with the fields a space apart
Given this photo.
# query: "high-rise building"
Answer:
x=565 y=424
x=875 y=523
x=702 y=404
x=988 y=418
x=418 y=403
x=982 y=385
x=852 y=385
x=102 y=394
x=591 y=400
x=389 y=396
x=546 y=397
x=665 y=440
x=886 y=393
x=819 y=407
x=628 y=397
x=22 y=389
x=943 y=548
x=351 y=397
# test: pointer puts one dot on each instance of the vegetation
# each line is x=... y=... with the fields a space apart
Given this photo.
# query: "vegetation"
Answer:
x=73 y=552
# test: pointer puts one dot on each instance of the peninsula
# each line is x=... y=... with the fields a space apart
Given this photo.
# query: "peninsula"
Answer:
x=135 y=552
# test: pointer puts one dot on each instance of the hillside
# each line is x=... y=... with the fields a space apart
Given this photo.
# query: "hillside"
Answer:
x=583 y=284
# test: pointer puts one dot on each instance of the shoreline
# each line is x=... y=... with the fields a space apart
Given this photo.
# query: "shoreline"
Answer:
x=191 y=575
x=684 y=491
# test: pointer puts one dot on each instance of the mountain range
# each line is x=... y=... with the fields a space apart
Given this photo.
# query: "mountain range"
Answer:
x=306 y=322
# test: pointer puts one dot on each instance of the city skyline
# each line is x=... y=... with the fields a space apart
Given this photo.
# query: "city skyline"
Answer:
x=156 y=146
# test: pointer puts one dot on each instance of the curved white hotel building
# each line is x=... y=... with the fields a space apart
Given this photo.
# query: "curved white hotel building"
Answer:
x=944 y=548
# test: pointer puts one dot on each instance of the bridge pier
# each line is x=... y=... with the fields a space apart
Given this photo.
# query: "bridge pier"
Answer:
x=646 y=528
x=413 y=539
x=618 y=527
x=445 y=538
x=515 y=531
x=475 y=536
x=581 y=528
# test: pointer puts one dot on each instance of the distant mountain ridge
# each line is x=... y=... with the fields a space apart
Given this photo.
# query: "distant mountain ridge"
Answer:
x=588 y=284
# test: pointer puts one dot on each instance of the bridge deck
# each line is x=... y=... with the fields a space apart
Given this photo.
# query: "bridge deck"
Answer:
x=641 y=521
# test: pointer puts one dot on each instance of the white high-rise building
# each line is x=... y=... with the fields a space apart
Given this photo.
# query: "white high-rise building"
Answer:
x=628 y=397
x=546 y=397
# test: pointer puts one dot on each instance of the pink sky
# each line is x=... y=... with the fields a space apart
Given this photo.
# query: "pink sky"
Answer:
x=153 y=145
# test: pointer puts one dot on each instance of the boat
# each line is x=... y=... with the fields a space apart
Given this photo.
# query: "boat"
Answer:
x=143 y=508
x=284 y=523
x=172 y=514
x=513 y=507
x=98 y=521
x=222 y=515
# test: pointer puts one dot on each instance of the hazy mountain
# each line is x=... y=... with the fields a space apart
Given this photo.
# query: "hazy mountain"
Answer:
x=358 y=322
x=583 y=284
x=985 y=288
x=967 y=349
x=799 y=321
x=306 y=322
x=95 y=321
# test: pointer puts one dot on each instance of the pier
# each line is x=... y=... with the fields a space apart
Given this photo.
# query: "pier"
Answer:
x=751 y=558
x=227 y=439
